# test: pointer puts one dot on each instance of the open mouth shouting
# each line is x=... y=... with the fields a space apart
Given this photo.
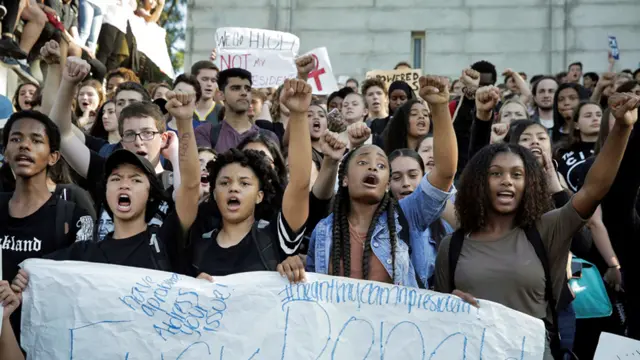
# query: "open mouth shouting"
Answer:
x=536 y=151
x=124 y=203
x=233 y=204
x=371 y=181
x=315 y=125
x=505 y=197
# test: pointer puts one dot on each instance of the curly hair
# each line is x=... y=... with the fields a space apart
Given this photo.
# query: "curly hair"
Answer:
x=269 y=182
x=369 y=83
x=278 y=159
x=473 y=200
x=341 y=244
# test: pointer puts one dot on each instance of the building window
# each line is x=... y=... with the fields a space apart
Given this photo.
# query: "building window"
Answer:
x=417 y=48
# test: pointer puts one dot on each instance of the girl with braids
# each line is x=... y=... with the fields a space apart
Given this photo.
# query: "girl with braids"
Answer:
x=247 y=190
x=366 y=219
x=407 y=169
x=503 y=191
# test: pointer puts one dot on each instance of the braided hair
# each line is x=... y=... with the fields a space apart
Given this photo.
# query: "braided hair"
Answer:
x=341 y=249
x=269 y=182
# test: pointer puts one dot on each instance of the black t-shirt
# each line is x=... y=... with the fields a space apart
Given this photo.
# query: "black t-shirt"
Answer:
x=572 y=157
x=141 y=250
x=33 y=236
x=210 y=258
x=95 y=186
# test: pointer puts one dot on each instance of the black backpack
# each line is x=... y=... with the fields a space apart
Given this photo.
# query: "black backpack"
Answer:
x=533 y=235
x=63 y=221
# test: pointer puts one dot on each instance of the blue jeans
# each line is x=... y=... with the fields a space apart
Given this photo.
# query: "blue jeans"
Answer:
x=89 y=23
x=567 y=327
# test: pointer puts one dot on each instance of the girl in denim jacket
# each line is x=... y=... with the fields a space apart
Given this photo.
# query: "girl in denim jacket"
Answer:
x=366 y=219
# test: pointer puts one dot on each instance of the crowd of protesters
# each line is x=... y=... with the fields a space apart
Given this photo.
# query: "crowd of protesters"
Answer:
x=485 y=186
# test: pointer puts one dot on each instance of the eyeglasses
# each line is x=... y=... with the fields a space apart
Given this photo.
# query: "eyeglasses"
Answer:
x=147 y=135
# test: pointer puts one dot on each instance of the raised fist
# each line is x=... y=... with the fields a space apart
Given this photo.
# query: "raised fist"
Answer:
x=305 y=64
x=487 y=98
x=498 y=132
x=335 y=122
x=434 y=89
x=50 y=52
x=332 y=146
x=624 y=107
x=75 y=69
x=296 y=95
x=181 y=104
x=470 y=78
x=358 y=133
x=607 y=79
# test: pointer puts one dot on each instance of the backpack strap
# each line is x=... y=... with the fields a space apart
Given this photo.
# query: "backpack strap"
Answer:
x=159 y=261
x=215 y=134
x=64 y=221
x=455 y=247
x=264 y=242
x=533 y=235
x=106 y=150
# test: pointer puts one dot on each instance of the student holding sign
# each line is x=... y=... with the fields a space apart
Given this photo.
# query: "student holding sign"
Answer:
x=9 y=302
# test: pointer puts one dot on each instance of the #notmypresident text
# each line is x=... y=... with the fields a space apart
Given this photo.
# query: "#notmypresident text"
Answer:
x=145 y=314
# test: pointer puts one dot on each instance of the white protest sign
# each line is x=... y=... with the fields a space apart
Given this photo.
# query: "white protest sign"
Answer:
x=150 y=39
x=268 y=55
x=615 y=347
x=321 y=77
x=75 y=310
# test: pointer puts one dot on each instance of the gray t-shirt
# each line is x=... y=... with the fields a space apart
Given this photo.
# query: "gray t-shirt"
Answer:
x=507 y=270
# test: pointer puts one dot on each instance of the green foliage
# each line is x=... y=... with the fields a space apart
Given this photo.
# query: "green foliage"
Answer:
x=172 y=20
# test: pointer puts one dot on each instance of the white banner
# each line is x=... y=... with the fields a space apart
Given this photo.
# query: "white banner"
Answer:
x=76 y=310
x=321 y=78
x=616 y=347
x=150 y=39
x=268 y=55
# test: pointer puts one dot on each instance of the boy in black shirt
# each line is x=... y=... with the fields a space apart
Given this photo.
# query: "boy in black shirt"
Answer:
x=132 y=192
x=33 y=222
x=143 y=131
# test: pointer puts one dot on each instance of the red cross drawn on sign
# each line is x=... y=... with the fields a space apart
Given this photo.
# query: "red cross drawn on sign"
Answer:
x=315 y=74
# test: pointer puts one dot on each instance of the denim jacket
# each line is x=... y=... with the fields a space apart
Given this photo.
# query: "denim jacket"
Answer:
x=421 y=208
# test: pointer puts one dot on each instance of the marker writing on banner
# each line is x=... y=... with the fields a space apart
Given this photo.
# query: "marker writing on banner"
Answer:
x=371 y=294
x=177 y=312
x=255 y=39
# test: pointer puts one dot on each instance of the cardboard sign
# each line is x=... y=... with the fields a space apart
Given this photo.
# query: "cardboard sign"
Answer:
x=76 y=310
x=615 y=347
x=321 y=78
x=613 y=47
x=150 y=39
x=268 y=55
x=410 y=76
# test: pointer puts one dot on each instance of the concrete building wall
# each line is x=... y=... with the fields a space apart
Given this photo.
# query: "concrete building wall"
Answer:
x=535 y=36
